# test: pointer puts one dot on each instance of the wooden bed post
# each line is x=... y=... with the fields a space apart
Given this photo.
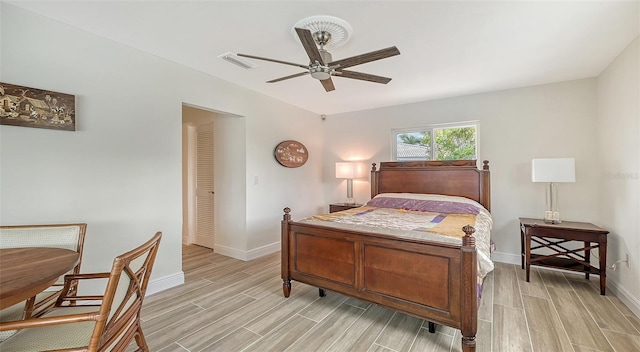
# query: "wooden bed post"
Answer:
x=284 y=259
x=374 y=180
x=485 y=187
x=469 y=326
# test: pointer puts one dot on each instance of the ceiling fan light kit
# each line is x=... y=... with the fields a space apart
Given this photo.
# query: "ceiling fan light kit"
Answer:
x=320 y=72
x=315 y=34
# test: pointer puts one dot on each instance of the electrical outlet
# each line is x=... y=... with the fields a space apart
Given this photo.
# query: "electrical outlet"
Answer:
x=628 y=262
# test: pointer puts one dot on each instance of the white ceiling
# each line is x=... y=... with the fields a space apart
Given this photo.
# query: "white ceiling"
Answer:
x=448 y=48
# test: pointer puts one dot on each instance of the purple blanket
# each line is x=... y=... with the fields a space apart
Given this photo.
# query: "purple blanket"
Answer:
x=435 y=206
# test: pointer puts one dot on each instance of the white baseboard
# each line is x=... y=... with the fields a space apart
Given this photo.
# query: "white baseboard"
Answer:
x=508 y=258
x=230 y=252
x=247 y=255
x=264 y=250
x=625 y=296
x=164 y=283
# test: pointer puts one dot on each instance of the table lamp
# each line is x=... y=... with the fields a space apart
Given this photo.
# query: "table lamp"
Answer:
x=553 y=171
x=350 y=170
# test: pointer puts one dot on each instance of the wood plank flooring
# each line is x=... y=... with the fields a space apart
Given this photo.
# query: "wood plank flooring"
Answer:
x=230 y=305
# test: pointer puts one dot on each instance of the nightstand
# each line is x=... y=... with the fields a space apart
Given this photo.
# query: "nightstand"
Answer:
x=342 y=206
x=552 y=239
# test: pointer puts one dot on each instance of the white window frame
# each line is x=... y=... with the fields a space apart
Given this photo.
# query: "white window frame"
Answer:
x=430 y=128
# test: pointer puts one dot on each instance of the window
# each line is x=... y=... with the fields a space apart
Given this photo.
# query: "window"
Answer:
x=438 y=142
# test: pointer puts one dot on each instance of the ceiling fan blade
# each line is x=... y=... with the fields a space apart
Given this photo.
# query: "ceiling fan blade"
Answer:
x=273 y=60
x=309 y=45
x=364 y=58
x=362 y=76
x=287 y=77
x=328 y=84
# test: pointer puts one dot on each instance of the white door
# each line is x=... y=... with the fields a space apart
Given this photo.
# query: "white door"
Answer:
x=204 y=201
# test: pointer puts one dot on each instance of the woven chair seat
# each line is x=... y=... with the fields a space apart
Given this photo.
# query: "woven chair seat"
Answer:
x=16 y=312
x=54 y=337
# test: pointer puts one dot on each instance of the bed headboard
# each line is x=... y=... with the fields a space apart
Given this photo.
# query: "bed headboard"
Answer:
x=449 y=177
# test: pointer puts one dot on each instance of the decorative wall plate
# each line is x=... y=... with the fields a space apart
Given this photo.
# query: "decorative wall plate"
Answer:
x=291 y=153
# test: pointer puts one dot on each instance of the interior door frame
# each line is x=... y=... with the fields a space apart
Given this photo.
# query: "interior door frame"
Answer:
x=230 y=156
x=189 y=173
x=191 y=189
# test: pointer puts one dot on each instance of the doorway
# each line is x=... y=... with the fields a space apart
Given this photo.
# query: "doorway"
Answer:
x=227 y=206
x=198 y=170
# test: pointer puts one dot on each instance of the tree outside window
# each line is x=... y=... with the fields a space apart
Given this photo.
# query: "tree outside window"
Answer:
x=457 y=142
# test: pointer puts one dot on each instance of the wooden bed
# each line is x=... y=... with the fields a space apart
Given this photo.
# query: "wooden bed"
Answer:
x=429 y=280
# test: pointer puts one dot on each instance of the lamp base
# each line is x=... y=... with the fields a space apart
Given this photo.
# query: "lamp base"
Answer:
x=350 y=199
x=552 y=217
x=551 y=214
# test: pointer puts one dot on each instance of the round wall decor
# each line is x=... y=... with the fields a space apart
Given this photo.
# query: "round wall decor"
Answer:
x=291 y=153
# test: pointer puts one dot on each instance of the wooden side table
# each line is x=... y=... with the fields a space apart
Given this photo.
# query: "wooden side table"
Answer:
x=553 y=238
x=342 y=206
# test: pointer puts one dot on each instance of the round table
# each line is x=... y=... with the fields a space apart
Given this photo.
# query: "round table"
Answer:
x=27 y=271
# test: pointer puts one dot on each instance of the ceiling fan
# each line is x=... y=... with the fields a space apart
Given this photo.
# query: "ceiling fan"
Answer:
x=321 y=65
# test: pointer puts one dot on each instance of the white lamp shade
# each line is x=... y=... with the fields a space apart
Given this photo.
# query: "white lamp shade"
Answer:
x=553 y=170
x=350 y=170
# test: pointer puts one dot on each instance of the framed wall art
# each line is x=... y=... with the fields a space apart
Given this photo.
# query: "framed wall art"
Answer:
x=33 y=107
x=291 y=153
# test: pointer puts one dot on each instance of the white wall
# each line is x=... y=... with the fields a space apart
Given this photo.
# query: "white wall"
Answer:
x=517 y=125
x=618 y=124
x=278 y=186
x=121 y=170
x=230 y=186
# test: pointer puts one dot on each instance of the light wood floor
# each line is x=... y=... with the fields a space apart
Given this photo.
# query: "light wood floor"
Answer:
x=230 y=305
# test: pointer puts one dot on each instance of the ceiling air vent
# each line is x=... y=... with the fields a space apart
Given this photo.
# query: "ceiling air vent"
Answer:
x=236 y=60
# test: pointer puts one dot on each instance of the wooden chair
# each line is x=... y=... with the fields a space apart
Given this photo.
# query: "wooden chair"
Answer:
x=111 y=325
x=68 y=236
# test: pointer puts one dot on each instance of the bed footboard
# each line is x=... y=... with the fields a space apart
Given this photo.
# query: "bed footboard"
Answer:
x=429 y=280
